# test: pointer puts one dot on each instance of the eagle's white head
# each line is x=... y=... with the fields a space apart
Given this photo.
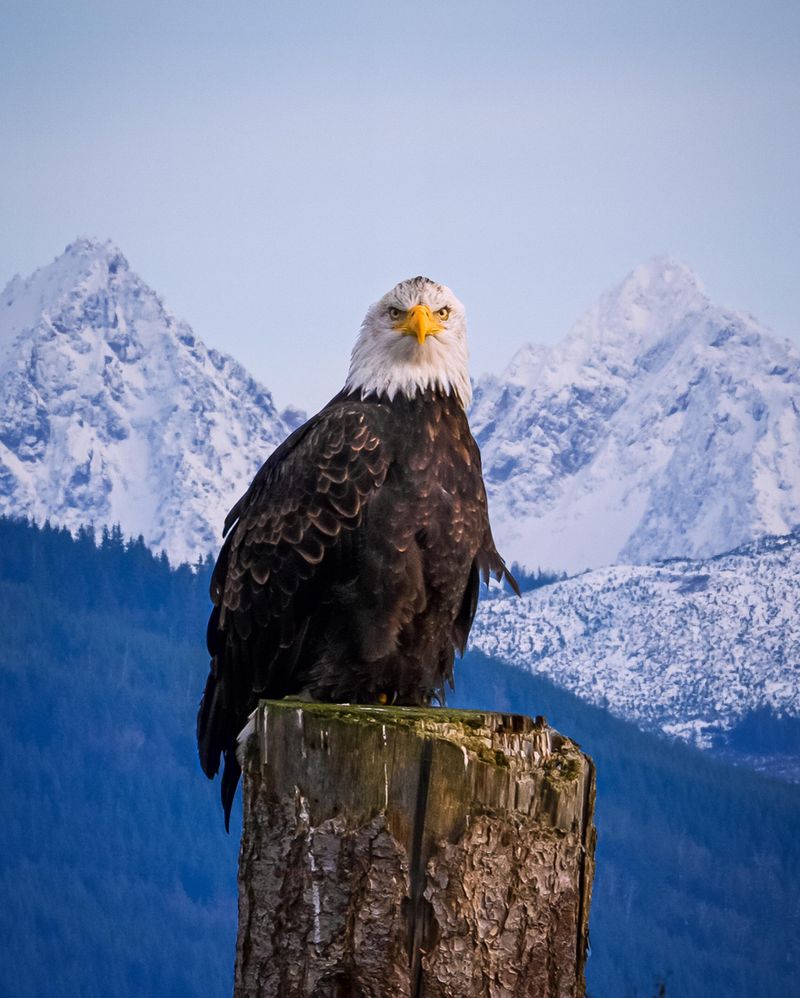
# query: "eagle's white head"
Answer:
x=414 y=338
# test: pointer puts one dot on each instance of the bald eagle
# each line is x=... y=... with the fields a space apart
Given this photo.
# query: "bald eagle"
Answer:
x=351 y=566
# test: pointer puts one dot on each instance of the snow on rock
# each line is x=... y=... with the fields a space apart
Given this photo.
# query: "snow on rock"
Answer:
x=112 y=411
x=293 y=417
x=684 y=647
x=662 y=426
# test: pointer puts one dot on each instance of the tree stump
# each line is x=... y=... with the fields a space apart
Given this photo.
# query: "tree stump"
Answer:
x=412 y=853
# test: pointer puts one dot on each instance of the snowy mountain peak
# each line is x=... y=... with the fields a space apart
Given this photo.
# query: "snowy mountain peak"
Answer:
x=112 y=411
x=95 y=257
x=86 y=266
x=92 y=249
x=649 y=306
x=659 y=281
x=662 y=425
x=646 y=307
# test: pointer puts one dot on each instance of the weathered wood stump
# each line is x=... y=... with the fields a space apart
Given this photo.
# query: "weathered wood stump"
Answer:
x=412 y=853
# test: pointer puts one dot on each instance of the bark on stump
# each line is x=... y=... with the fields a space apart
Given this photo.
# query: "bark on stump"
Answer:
x=412 y=853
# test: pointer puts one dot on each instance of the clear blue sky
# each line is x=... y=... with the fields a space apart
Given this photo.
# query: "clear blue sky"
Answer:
x=271 y=168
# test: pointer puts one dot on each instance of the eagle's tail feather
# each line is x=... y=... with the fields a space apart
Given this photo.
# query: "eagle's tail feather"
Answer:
x=511 y=580
x=210 y=724
x=230 y=780
x=490 y=563
x=214 y=743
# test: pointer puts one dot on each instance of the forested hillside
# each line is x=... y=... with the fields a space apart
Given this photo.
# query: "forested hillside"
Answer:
x=118 y=880
x=117 y=877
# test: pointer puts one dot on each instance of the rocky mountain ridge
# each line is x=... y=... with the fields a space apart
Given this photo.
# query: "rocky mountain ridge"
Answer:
x=113 y=411
x=684 y=647
x=661 y=426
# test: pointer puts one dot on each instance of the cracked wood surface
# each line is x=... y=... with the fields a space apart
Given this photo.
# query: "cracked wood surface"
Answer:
x=412 y=853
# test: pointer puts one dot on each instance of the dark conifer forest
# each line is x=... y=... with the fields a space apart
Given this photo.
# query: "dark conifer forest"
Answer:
x=118 y=879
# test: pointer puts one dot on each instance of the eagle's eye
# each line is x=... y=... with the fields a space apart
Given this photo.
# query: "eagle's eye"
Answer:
x=444 y=313
x=394 y=313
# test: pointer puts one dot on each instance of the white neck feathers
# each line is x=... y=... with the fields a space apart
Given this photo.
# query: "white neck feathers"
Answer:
x=387 y=363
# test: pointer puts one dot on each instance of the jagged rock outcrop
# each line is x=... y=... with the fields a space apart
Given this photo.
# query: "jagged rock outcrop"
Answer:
x=662 y=426
x=112 y=411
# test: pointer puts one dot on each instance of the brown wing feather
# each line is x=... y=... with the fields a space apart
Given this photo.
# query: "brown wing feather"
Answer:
x=306 y=498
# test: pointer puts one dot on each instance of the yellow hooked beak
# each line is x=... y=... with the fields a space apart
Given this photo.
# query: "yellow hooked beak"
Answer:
x=419 y=321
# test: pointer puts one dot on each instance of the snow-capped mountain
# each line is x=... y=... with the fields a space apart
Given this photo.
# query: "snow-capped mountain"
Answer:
x=661 y=426
x=683 y=647
x=112 y=411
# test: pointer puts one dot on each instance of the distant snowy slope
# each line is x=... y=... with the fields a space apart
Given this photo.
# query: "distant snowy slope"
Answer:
x=112 y=411
x=683 y=647
x=661 y=426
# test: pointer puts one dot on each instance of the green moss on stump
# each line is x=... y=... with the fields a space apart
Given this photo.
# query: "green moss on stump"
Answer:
x=476 y=732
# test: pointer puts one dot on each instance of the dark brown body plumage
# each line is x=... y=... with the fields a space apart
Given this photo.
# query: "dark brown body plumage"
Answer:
x=351 y=566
